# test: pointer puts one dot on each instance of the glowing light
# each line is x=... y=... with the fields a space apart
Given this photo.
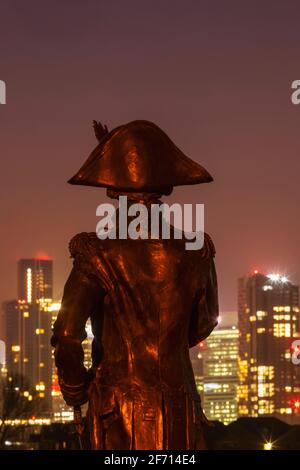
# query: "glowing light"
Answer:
x=39 y=331
x=42 y=256
x=268 y=446
x=55 y=306
x=277 y=278
x=255 y=271
x=15 y=348
x=267 y=287
x=274 y=277
x=29 y=285
x=219 y=319
x=297 y=404
x=201 y=345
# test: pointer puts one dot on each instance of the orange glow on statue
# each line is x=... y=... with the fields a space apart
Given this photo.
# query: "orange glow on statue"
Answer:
x=149 y=301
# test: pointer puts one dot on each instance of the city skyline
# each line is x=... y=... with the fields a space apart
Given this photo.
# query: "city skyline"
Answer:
x=268 y=321
x=225 y=102
x=226 y=365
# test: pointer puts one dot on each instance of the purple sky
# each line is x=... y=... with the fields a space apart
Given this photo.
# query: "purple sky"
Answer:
x=214 y=75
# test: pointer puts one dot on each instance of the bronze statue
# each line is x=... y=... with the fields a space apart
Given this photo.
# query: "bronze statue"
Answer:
x=149 y=301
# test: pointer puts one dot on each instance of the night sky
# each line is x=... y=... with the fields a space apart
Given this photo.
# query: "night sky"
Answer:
x=215 y=75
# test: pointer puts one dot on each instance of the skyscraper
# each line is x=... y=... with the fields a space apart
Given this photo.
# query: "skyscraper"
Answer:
x=268 y=319
x=28 y=328
x=215 y=365
x=220 y=377
x=35 y=279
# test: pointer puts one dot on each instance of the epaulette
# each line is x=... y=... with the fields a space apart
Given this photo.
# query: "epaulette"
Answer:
x=82 y=243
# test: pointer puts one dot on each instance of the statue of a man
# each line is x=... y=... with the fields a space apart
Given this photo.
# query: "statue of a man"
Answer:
x=149 y=301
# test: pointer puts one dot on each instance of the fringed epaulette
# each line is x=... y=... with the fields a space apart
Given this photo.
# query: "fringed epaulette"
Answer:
x=208 y=250
x=83 y=244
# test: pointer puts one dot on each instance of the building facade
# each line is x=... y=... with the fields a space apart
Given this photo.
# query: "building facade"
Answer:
x=268 y=320
x=215 y=365
x=220 y=375
x=28 y=330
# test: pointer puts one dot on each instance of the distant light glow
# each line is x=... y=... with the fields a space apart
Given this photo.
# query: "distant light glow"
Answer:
x=212 y=386
x=255 y=271
x=42 y=256
x=274 y=277
x=277 y=277
x=268 y=446
x=54 y=306
x=267 y=287
x=29 y=285
x=89 y=331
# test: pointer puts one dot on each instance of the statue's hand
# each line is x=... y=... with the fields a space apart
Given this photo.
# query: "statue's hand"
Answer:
x=76 y=394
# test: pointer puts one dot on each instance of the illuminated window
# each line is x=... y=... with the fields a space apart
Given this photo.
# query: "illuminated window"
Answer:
x=26 y=314
x=39 y=331
x=261 y=314
x=40 y=387
x=15 y=348
x=29 y=285
x=281 y=330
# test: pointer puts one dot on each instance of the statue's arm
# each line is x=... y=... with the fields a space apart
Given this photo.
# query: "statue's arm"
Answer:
x=205 y=315
x=82 y=295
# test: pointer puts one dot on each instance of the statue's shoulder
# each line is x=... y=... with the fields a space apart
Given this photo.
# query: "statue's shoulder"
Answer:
x=208 y=250
x=83 y=243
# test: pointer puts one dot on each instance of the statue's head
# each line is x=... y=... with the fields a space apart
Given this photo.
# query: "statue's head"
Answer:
x=138 y=157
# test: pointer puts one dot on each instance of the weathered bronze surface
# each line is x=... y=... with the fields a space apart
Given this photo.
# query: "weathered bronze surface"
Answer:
x=149 y=301
x=138 y=156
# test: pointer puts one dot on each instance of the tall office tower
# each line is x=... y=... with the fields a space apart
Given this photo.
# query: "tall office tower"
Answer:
x=268 y=319
x=220 y=374
x=215 y=365
x=28 y=329
x=12 y=335
x=35 y=279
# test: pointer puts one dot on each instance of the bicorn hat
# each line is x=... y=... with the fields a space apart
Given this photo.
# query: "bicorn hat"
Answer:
x=138 y=157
